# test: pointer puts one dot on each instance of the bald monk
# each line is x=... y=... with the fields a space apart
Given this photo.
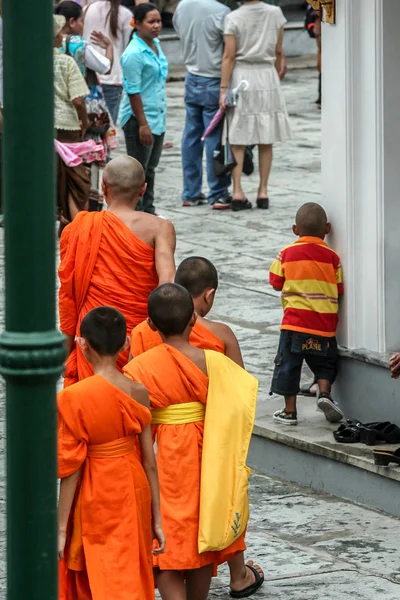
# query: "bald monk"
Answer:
x=199 y=276
x=175 y=372
x=114 y=258
x=105 y=528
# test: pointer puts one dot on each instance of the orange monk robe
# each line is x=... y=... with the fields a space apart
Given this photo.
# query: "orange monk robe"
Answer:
x=102 y=264
x=108 y=554
x=143 y=338
x=171 y=378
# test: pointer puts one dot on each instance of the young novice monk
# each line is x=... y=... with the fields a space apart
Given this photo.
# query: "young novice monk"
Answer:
x=176 y=374
x=309 y=275
x=109 y=494
x=199 y=276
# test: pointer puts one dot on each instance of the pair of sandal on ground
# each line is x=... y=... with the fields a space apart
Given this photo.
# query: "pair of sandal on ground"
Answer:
x=237 y=205
x=355 y=432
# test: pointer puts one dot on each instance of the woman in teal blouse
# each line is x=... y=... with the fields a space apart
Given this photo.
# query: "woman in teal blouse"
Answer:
x=144 y=104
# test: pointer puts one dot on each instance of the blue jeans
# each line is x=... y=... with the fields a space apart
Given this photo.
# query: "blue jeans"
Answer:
x=202 y=102
x=112 y=96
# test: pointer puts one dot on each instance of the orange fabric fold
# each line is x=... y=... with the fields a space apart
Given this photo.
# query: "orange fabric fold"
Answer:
x=108 y=551
x=143 y=338
x=102 y=264
x=171 y=378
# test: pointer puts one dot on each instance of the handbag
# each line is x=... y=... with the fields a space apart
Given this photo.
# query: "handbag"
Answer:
x=224 y=160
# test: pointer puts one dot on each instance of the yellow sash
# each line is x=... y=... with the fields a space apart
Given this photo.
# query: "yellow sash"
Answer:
x=228 y=426
x=178 y=414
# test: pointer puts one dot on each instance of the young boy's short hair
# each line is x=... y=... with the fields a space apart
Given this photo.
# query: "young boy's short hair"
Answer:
x=170 y=309
x=104 y=329
x=311 y=219
x=197 y=274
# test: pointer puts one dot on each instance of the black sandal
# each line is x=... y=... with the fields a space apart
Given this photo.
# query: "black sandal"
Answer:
x=347 y=434
x=371 y=433
x=305 y=390
x=237 y=205
x=385 y=456
x=251 y=589
x=263 y=203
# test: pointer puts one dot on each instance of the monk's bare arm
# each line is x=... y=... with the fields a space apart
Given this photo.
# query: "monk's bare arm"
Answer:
x=164 y=249
x=150 y=468
x=232 y=348
x=67 y=493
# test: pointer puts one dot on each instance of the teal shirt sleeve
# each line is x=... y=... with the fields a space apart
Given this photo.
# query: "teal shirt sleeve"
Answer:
x=132 y=67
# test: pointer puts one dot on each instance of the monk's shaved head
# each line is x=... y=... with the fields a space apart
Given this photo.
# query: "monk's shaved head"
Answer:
x=197 y=274
x=104 y=329
x=124 y=176
x=311 y=219
x=170 y=309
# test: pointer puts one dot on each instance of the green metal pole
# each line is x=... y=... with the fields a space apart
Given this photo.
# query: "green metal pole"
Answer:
x=31 y=349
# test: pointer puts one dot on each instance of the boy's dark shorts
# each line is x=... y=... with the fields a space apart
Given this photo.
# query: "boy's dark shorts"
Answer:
x=320 y=354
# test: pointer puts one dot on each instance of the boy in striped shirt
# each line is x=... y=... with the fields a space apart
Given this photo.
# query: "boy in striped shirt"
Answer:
x=309 y=275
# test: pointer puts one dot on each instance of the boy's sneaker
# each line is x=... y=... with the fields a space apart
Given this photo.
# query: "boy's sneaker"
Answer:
x=332 y=412
x=285 y=417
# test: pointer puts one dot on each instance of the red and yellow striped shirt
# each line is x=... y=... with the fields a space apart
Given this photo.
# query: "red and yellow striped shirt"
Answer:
x=309 y=274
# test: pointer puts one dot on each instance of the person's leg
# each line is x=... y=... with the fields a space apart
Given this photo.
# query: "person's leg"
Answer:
x=192 y=146
x=265 y=162
x=241 y=576
x=238 y=193
x=198 y=583
x=112 y=96
x=135 y=148
x=152 y=164
x=171 y=585
x=286 y=378
x=218 y=186
x=324 y=367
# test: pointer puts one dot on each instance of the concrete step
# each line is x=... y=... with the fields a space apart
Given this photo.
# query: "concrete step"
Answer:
x=308 y=454
x=296 y=42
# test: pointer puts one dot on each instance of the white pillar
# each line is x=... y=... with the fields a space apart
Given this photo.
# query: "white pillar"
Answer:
x=361 y=166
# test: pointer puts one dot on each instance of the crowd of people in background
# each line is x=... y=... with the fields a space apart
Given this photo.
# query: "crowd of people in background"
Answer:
x=117 y=43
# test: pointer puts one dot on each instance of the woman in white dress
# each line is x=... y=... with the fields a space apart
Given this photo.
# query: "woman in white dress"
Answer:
x=253 y=52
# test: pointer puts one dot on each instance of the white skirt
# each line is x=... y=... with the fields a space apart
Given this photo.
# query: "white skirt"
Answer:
x=260 y=116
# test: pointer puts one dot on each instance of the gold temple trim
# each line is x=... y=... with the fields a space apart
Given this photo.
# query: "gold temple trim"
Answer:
x=329 y=7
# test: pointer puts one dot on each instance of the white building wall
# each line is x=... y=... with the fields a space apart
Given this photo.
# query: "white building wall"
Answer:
x=361 y=166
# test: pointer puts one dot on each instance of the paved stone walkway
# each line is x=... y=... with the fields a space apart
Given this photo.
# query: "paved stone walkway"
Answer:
x=310 y=545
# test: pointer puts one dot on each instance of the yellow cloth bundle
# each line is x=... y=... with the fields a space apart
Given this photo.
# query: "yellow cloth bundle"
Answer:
x=228 y=426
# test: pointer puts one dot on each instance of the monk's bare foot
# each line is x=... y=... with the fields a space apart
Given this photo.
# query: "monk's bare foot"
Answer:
x=246 y=578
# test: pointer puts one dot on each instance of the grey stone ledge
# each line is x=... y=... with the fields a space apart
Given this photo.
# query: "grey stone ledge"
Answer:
x=362 y=461
x=379 y=359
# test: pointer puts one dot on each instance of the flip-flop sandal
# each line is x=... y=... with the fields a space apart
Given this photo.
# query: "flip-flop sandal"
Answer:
x=305 y=390
x=347 y=435
x=385 y=456
x=237 y=205
x=168 y=145
x=251 y=589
